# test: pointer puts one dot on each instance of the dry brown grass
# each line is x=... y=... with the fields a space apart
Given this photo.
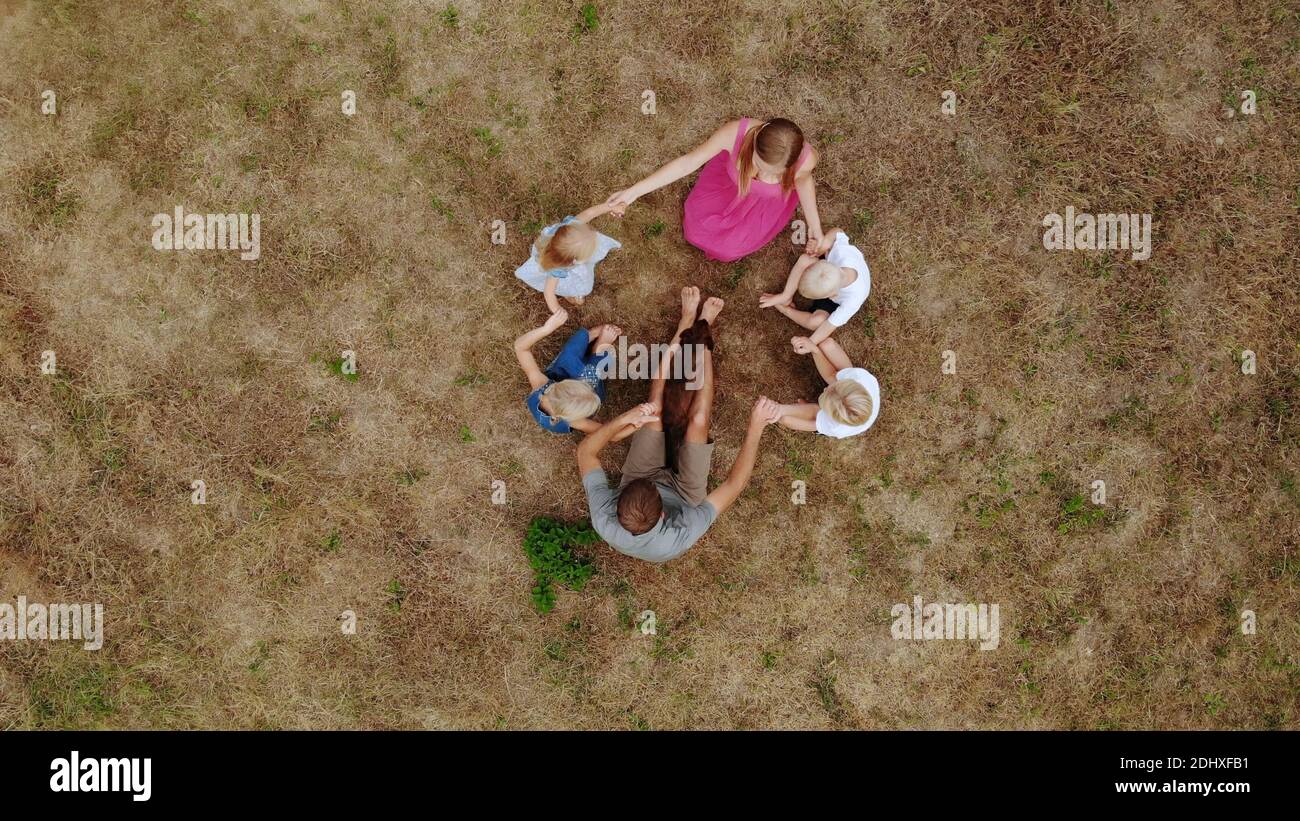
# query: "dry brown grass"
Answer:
x=375 y=233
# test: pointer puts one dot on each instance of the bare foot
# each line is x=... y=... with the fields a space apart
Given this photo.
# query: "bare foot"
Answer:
x=712 y=307
x=690 y=303
x=608 y=333
x=575 y=300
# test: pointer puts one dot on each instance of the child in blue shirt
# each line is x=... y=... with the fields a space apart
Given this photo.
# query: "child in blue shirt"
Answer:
x=571 y=389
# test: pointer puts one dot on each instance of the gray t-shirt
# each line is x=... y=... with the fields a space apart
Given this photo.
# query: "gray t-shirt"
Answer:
x=681 y=526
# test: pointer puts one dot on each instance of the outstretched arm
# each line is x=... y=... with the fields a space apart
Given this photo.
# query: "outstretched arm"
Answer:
x=791 y=283
x=800 y=416
x=594 y=211
x=720 y=140
x=589 y=449
x=765 y=413
x=590 y=425
x=524 y=345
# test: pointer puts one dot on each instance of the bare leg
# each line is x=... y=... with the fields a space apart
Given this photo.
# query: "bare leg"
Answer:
x=712 y=307
x=697 y=430
x=690 y=305
x=804 y=319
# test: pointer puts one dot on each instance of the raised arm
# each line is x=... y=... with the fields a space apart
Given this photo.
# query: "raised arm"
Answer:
x=594 y=211
x=524 y=345
x=721 y=140
x=807 y=188
x=825 y=367
x=765 y=413
x=589 y=449
x=791 y=283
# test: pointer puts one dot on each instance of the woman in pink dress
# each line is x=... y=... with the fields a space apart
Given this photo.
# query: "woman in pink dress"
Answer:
x=757 y=173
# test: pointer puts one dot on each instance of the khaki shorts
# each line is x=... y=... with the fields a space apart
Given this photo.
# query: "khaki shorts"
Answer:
x=645 y=460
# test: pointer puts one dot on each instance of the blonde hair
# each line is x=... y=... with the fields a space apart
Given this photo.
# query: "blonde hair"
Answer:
x=570 y=243
x=847 y=402
x=571 y=400
x=820 y=280
x=777 y=141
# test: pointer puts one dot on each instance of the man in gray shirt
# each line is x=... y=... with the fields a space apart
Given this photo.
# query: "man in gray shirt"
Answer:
x=659 y=511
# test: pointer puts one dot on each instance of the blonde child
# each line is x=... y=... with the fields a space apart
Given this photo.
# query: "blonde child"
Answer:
x=838 y=286
x=563 y=259
x=850 y=403
x=568 y=393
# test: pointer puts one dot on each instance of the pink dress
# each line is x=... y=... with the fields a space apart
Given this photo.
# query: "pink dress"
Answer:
x=726 y=226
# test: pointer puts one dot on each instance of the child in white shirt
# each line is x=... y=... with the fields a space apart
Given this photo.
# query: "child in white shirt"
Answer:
x=850 y=403
x=838 y=286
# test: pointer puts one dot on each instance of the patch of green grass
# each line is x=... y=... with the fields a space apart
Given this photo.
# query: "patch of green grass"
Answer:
x=490 y=142
x=79 y=697
x=587 y=19
x=466 y=435
x=49 y=197
x=823 y=683
x=335 y=366
x=549 y=547
x=1287 y=485
x=862 y=220
x=886 y=476
x=387 y=64
x=1214 y=703
x=654 y=229
x=988 y=512
x=439 y=206
x=396 y=595
x=807 y=567
x=1077 y=513
x=450 y=17
x=799 y=468
x=469 y=379
x=324 y=422
x=737 y=273
x=332 y=542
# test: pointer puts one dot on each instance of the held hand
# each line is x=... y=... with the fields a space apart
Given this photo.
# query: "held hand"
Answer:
x=814 y=246
x=619 y=201
x=556 y=319
x=802 y=345
x=765 y=412
x=641 y=415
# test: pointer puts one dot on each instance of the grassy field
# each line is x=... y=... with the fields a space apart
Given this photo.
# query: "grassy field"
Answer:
x=329 y=493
